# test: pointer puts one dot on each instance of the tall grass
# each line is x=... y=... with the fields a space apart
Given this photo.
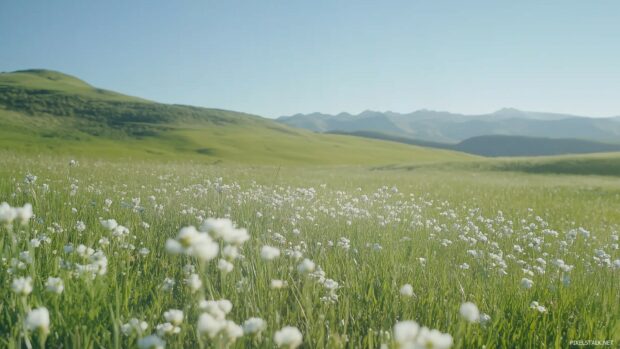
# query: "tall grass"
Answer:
x=370 y=231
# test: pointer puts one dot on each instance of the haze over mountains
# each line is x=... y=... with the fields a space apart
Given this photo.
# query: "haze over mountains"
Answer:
x=448 y=127
x=506 y=132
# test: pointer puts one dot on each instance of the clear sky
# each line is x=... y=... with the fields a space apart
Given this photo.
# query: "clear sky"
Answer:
x=274 y=58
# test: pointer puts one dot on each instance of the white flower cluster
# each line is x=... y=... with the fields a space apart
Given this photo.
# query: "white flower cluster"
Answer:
x=22 y=286
x=288 y=337
x=117 y=230
x=9 y=214
x=174 y=318
x=134 y=327
x=97 y=262
x=407 y=290
x=541 y=309
x=269 y=253
x=202 y=243
x=409 y=335
x=213 y=323
x=38 y=320
x=469 y=311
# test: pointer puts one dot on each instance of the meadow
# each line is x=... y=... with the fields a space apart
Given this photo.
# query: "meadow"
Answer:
x=163 y=253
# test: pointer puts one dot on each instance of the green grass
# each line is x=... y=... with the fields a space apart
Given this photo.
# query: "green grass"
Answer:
x=430 y=206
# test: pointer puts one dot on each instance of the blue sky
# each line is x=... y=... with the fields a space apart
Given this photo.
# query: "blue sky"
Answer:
x=274 y=58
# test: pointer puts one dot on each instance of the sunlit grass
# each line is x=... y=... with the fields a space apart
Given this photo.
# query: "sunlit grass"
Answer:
x=370 y=231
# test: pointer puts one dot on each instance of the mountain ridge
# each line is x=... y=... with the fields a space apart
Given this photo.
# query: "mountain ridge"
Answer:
x=447 y=127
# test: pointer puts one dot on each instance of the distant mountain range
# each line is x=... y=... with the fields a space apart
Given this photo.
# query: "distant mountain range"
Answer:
x=445 y=127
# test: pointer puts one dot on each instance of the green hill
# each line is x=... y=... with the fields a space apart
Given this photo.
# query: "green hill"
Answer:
x=45 y=111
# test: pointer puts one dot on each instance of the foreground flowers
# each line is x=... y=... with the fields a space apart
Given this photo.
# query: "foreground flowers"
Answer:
x=134 y=326
x=220 y=329
x=8 y=214
x=527 y=283
x=269 y=253
x=38 y=320
x=54 y=285
x=407 y=290
x=288 y=337
x=469 y=311
x=22 y=286
x=409 y=335
x=312 y=253
x=193 y=243
x=541 y=309
x=254 y=326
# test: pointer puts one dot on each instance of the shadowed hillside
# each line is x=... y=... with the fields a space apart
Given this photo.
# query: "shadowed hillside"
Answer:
x=495 y=146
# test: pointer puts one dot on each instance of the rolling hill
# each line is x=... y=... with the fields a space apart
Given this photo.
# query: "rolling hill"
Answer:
x=44 y=111
x=494 y=146
x=444 y=127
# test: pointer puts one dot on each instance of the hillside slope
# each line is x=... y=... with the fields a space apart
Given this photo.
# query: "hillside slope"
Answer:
x=45 y=111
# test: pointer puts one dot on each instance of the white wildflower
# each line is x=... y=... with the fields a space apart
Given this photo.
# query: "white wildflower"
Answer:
x=225 y=266
x=288 y=337
x=109 y=224
x=54 y=285
x=38 y=320
x=22 y=286
x=269 y=253
x=306 y=266
x=407 y=290
x=469 y=311
x=527 y=283
x=254 y=325
x=193 y=282
x=167 y=329
x=174 y=316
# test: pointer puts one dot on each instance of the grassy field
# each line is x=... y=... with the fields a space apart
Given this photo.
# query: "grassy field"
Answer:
x=487 y=234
